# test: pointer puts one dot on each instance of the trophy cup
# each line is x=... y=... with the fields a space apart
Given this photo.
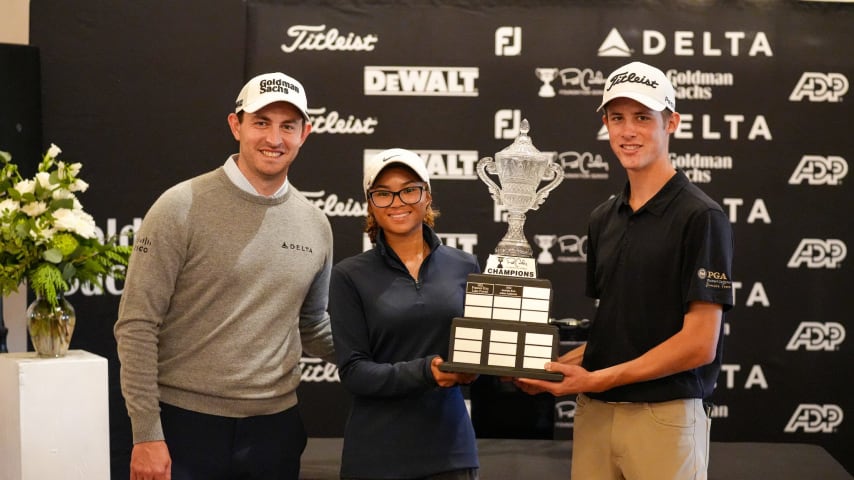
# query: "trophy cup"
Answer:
x=545 y=242
x=546 y=75
x=505 y=327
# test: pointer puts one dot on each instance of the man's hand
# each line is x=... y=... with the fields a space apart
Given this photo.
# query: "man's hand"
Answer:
x=575 y=380
x=150 y=461
x=449 y=379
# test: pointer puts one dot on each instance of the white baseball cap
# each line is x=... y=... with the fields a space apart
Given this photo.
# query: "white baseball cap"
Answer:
x=643 y=83
x=267 y=88
x=394 y=156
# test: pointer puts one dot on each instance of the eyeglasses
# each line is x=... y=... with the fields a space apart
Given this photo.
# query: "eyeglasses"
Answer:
x=408 y=195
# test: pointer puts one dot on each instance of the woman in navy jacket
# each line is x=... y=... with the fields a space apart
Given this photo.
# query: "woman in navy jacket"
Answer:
x=391 y=310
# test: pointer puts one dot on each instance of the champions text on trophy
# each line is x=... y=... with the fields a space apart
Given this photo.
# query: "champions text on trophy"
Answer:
x=505 y=327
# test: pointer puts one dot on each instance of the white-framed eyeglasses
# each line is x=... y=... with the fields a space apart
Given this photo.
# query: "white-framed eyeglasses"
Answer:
x=384 y=198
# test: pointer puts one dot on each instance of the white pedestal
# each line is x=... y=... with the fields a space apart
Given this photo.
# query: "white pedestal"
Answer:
x=54 y=417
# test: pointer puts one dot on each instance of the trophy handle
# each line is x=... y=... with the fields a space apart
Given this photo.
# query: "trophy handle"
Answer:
x=487 y=165
x=556 y=176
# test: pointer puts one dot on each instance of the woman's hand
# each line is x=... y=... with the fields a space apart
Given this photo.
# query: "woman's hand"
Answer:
x=449 y=379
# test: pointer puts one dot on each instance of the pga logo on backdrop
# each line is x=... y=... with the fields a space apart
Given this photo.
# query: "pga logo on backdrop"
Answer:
x=583 y=165
x=570 y=248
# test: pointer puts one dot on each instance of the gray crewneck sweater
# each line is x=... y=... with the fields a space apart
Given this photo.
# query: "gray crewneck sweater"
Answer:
x=223 y=291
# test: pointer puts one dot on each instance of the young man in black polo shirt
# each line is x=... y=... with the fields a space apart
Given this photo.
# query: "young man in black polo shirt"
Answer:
x=659 y=262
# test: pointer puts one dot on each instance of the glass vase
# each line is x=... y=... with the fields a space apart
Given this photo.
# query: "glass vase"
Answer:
x=51 y=326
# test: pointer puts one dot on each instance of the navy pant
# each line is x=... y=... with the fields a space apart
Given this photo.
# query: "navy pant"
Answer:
x=210 y=447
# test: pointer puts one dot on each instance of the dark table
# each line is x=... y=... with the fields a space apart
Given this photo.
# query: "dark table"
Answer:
x=550 y=459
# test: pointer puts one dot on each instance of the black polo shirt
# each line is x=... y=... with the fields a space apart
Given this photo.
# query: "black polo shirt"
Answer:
x=645 y=267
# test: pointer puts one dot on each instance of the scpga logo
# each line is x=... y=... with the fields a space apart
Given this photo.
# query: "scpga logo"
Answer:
x=820 y=87
x=818 y=253
x=565 y=413
x=818 y=170
x=814 y=418
x=815 y=336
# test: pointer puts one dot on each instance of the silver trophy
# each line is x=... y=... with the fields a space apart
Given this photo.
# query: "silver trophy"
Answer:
x=520 y=169
x=505 y=327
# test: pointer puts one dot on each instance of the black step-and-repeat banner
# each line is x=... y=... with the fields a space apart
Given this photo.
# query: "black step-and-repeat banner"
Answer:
x=762 y=89
x=764 y=132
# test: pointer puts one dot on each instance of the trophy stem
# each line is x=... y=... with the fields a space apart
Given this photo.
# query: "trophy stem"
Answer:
x=514 y=243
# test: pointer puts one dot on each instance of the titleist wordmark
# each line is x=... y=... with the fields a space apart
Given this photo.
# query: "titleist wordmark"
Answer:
x=334 y=123
x=316 y=37
x=631 y=77
x=333 y=206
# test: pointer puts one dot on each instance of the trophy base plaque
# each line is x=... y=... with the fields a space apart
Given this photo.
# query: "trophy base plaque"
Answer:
x=505 y=330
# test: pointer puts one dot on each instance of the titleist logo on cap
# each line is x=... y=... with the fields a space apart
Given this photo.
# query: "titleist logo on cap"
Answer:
x=642 y=83
x=631 y=77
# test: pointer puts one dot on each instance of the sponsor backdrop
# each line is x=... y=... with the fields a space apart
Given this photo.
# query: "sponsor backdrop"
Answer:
x=761 y=86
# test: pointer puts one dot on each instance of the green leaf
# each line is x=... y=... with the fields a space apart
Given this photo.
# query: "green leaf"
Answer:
x=52 y=255
x=69 y=271
x=62 y=203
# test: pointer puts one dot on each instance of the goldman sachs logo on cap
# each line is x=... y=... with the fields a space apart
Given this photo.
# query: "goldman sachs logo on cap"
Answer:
x=277 y=85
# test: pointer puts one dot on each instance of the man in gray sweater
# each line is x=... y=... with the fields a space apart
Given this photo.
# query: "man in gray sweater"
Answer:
x=227 y=285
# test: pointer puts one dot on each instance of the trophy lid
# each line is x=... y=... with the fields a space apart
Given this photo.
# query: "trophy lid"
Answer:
x=522 y=146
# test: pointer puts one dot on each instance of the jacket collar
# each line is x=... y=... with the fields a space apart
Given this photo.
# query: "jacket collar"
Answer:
x=384 y=250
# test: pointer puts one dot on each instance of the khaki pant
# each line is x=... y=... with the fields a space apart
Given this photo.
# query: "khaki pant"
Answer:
x=640 y=441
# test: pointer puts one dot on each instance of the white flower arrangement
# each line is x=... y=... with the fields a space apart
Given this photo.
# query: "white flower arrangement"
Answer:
x=47 y=239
